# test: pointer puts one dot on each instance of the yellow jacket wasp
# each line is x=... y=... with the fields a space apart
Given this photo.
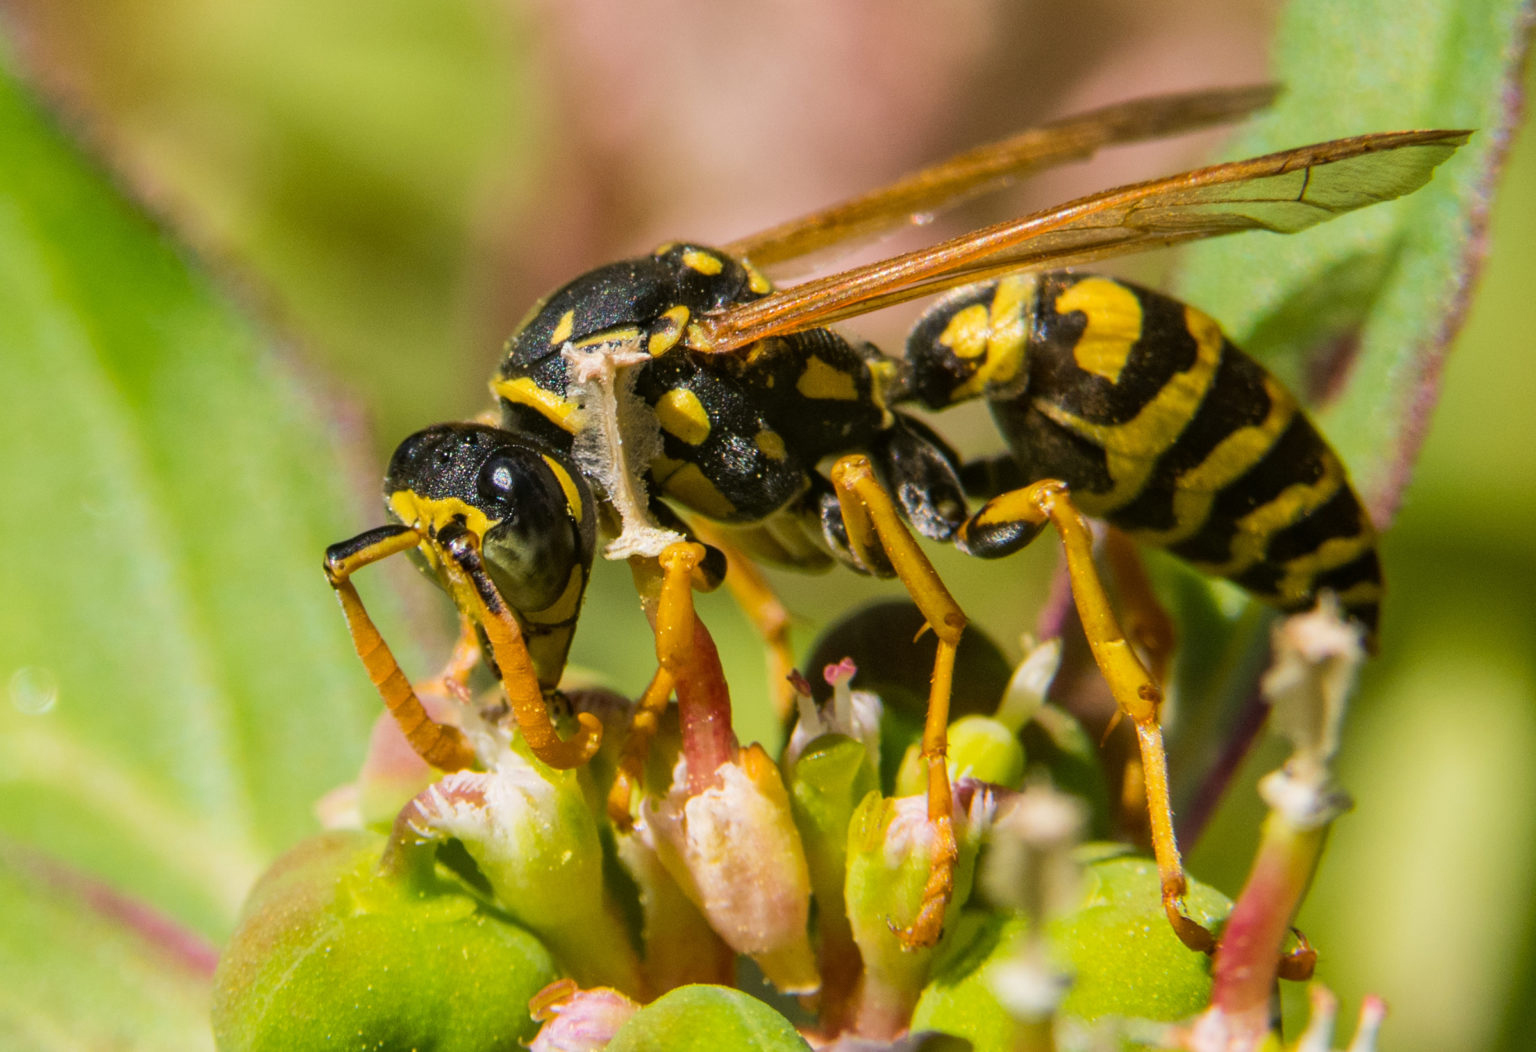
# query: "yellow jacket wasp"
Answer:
x=684 y=378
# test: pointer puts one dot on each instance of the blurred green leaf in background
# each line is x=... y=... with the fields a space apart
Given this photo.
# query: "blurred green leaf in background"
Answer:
x=394 y=190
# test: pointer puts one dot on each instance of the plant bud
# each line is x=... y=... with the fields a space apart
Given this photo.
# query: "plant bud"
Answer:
x=735 y=851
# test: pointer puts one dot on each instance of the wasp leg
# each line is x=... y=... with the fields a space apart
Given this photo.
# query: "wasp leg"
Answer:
x=874 y=524
x=444 y=747
x=1007 y=523
x=637 y=746
x=757 y=599
x=474 y=592
x=1148 y=624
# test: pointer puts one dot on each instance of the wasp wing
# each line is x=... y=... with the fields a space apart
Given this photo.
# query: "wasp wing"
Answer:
x=997 y=164
x=1283 y=192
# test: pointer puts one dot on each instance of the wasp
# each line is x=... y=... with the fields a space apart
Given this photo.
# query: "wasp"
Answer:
x=679 y=397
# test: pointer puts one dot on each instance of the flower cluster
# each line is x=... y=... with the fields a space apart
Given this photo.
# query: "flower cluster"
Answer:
x=766 y=904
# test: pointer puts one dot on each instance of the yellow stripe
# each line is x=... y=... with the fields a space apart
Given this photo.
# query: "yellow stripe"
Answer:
x=523 y=391
x=572 y=494
x=1364 y=592
x=1131 y=449
x=1232 y=457
x=1255 y=529
x=1302 y=571
x=1113 y=325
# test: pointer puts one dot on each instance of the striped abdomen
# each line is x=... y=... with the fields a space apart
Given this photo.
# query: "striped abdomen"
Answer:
x=1160 y=426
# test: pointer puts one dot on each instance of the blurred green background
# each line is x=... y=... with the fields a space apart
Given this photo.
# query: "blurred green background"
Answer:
x=391 y=187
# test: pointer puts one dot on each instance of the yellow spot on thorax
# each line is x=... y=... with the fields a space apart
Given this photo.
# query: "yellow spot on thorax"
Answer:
x=1131 y=449
x=755 y=280
x=669 y=331
x=687 y=482
x=523 y=391
x=1113 y=325
x=771 y=444
x=703 y=262
x=563 y=329
x=682 y=414
x=820 y=380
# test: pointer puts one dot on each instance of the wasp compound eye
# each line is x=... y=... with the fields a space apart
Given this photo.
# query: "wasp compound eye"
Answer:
x=534 y=545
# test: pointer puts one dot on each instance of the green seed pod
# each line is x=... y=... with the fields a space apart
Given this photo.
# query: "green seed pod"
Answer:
x=334 y=951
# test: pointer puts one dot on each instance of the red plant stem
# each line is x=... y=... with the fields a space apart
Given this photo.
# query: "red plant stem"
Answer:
x=1249 y=955
x=704 y=711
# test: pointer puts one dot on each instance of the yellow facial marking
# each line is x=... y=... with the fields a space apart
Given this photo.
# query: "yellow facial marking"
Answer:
x=687 y=483
x=433 y=513
x=523 y=391
x=1113 y=325
x=682 y=414
x=771 y=444
x=820 y=380
x=669 y=330
x=563 y=329
x=1131 y=449
x=665 y=247
x=1223 y=465
x=703 y=262
x=572 y=494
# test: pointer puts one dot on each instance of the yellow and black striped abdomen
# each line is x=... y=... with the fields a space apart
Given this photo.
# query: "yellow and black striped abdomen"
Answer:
x=1165 y=429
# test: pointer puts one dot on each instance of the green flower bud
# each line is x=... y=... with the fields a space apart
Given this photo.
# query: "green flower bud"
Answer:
x=333 y=951
x=890 y=850
x=707 y=1019
x=1123 y=957
x=534 y=839
x=826 y=783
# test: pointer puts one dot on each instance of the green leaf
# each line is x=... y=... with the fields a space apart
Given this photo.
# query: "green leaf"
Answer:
x=180 y=685
x=81 y=967
x=1358 y=314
